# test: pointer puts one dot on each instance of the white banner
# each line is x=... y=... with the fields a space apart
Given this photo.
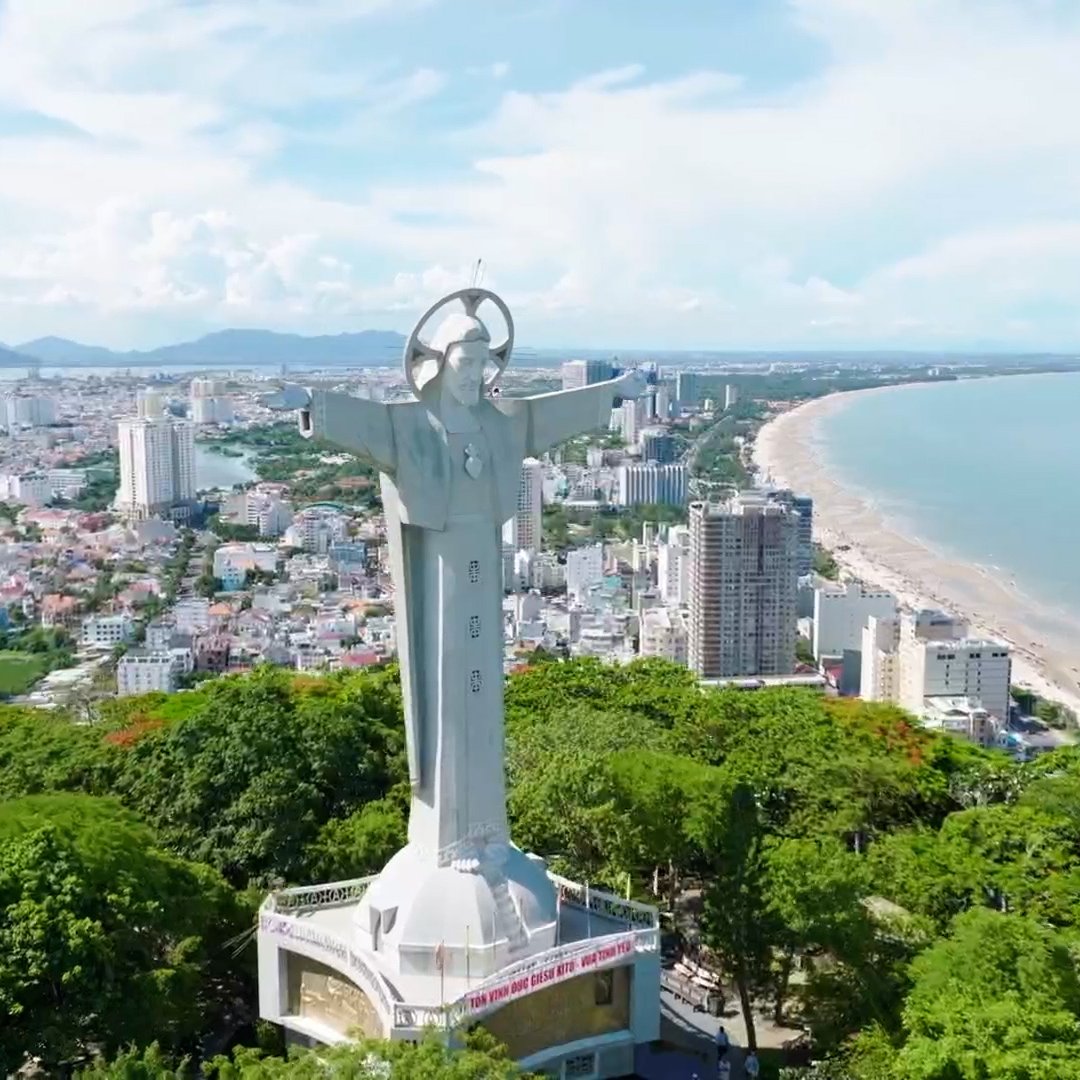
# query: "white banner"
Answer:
x=613 y=952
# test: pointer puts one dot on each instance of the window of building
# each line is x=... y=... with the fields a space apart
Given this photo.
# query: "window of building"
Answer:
x=474 y=571
x=475 y=680
x=474 y=626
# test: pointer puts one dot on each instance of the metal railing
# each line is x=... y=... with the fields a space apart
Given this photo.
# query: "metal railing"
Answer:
x=636 y=915
x=330 y=894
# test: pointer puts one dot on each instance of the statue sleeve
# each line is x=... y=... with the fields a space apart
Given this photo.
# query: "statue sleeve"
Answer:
x=354 y=424
x=553 y=418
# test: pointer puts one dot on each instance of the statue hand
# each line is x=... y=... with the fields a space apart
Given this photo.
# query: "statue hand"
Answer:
x=289 y=398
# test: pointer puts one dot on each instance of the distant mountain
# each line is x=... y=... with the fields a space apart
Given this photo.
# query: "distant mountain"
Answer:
x=10 y=358
x=232 y=348
x=58 y=350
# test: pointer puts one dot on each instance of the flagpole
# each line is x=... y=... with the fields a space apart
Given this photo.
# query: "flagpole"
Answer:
x=588 y=913
x=440 y=956
x=558 y=912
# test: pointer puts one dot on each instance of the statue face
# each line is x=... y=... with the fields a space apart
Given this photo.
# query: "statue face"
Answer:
x=463 y=371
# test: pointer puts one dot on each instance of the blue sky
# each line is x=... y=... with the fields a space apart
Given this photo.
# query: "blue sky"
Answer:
x=703 y=174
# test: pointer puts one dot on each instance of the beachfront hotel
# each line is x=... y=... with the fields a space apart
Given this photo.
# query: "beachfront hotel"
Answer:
x=743 y=587
x=930 y=665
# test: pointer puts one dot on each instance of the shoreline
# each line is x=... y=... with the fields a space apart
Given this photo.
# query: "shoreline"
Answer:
x=867 y=547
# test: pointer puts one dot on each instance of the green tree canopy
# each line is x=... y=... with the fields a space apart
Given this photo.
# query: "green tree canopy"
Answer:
x=480 y=1059
x=104 y=938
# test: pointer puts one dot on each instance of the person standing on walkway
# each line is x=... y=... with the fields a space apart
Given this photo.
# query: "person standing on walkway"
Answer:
x=722 y=1043
x=750 y=1065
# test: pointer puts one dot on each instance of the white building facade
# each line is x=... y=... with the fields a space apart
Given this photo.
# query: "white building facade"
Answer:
x=651 y=483
x=584 y=569
x=106 y=631
x=143 y=672
x=664 y=635
x=840 y=614
x=673 y=567
x=524 y=531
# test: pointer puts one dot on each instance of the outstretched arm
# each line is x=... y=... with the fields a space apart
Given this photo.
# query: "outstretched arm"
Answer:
x=356 y=425
x=553 y=418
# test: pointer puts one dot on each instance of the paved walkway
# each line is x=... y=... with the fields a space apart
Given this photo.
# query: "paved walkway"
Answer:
x=692 y=1038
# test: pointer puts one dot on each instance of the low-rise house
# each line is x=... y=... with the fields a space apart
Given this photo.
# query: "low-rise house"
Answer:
x=140 y=671
x=106 y=631
x=60 y=611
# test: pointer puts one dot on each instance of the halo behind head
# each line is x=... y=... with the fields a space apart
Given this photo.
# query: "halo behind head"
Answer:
x=424 y=360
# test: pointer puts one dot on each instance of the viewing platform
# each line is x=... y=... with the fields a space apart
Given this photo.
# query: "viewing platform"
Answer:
x=594 y=993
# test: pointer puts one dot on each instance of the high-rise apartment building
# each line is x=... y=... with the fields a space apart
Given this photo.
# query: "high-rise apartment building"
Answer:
x=650 y=483
x=689 y=388
x=578 y=373
x=631 y=415
x=524 y=531
x=743 y=584
x=731 y=396
x=157 y=461
x=658 y=445
x=26 y=411
x=803 y=507
x=673 y=567
x=209 y=403
x=662 y=401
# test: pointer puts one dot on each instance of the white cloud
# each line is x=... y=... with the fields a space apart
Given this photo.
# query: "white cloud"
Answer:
x=924 y=174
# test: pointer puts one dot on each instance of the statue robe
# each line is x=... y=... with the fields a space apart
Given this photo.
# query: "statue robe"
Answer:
x=444 y=530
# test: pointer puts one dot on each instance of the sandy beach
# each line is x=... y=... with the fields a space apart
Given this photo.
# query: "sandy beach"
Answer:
x=788 y=451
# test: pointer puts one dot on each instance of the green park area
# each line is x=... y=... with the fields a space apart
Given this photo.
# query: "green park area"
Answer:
x=19 y=671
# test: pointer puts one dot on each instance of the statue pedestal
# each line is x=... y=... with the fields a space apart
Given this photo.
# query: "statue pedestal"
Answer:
x=567 y=977
x=467 y=919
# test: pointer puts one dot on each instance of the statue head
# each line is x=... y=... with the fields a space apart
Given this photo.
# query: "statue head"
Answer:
x=459 y=355
x=464 y=342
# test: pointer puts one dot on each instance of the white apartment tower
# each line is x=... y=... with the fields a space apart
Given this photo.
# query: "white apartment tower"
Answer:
x=650 y=483
x=209 y=403
x=743 y=583
x=673 y=567
x=578 y=373
x=26 y=411
x=524 y=531
x=841 y=612
x=157 y=461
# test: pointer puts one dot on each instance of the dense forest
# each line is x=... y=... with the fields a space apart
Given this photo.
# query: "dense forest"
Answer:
x=910 y=900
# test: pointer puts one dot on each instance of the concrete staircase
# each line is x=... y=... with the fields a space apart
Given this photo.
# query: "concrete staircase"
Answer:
x=506 y=910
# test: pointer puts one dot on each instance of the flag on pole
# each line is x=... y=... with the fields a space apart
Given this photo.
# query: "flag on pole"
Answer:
x=440 y=955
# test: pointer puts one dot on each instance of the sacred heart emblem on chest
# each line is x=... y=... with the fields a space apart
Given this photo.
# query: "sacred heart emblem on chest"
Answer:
x=474 y=463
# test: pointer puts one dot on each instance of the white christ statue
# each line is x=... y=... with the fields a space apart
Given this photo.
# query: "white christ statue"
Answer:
x=450 y=470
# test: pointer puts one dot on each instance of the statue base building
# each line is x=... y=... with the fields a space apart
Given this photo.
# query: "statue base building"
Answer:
x=566 y=976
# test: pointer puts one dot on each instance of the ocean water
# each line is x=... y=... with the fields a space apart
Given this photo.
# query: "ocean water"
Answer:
x=986 y=470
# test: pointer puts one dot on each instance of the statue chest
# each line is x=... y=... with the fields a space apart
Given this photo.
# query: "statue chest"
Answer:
x=473 y=474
